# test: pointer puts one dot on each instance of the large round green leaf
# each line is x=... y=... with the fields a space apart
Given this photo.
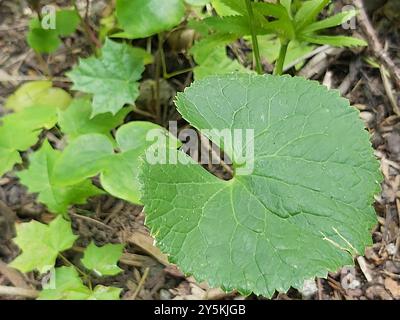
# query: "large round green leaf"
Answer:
x=305 y=209
x=143 y=18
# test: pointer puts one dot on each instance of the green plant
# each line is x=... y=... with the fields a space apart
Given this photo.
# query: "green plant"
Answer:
x=41 y=245
x=238 y=233
x=47 y=40
x=292 y=22
x=235 y=234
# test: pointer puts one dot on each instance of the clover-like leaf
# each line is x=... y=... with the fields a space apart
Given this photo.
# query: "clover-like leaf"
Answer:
x=302 y=207
x=43 y=37
x=40 y=244
x=143 y=18
x=39 y=178
x=103 y=260
x=91 y=154
x=19 y=131
x=67 y=285
x=38 y=93
x=76 y=120
x=112 y=79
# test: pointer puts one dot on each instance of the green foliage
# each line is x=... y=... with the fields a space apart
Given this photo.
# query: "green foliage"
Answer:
x=67 y=285
x=39 y=178
x=40 y=244
x=112 y=79
x=270 y=47
x=143 y=18
x=44 y=40
x=76 y=120
x=278 y=225
x=103 y=260
x=210 y=55
x=91 y=154
x=19 y=131
x=302 y=209
x=36 y=93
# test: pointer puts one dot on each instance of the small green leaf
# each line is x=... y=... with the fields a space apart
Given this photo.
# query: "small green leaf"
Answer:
x=91 y=154
x=66 y=22
x=143 y=18
x=222 y=9
x=197 y=2
x=40 y=244
x=39 y=179
x=120 y=176
x=47 y=40
x=330 y=22
x=217 y=62
x=36 y=93
x=336 y=41
x=67 y=285
x=103 y=260
x=302 y=208
x=76 y=121
x=112 y=79
x=83 y=158
x=308 y=12
x=42 y=40
x=105 y=293
x=19 y=131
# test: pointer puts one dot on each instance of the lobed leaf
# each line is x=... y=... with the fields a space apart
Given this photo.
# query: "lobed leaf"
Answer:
x=76 y=120
x=103 y=260
x=39 y=179
x=112 y=79
x=40 y=244
x=19 y=131
x=91 y=154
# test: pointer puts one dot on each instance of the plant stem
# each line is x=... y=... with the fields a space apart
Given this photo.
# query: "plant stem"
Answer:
x=281 y=59
x=93 y=41
x=82 y=273
x=256 y=50
x=159 y=58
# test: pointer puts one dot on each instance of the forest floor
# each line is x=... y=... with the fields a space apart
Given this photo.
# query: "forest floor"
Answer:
x=147 y=273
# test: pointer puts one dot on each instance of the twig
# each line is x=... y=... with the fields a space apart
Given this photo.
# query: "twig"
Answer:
x=32 y=78
x=18 y=292
x=95 y=43
x=364 y=268
x=389 y=90
x=319 y=285
x=14 y=276
x=90 y=220
x=140 y=284
x=375 y=45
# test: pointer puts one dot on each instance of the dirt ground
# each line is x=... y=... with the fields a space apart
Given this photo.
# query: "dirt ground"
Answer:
x=147 y=273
